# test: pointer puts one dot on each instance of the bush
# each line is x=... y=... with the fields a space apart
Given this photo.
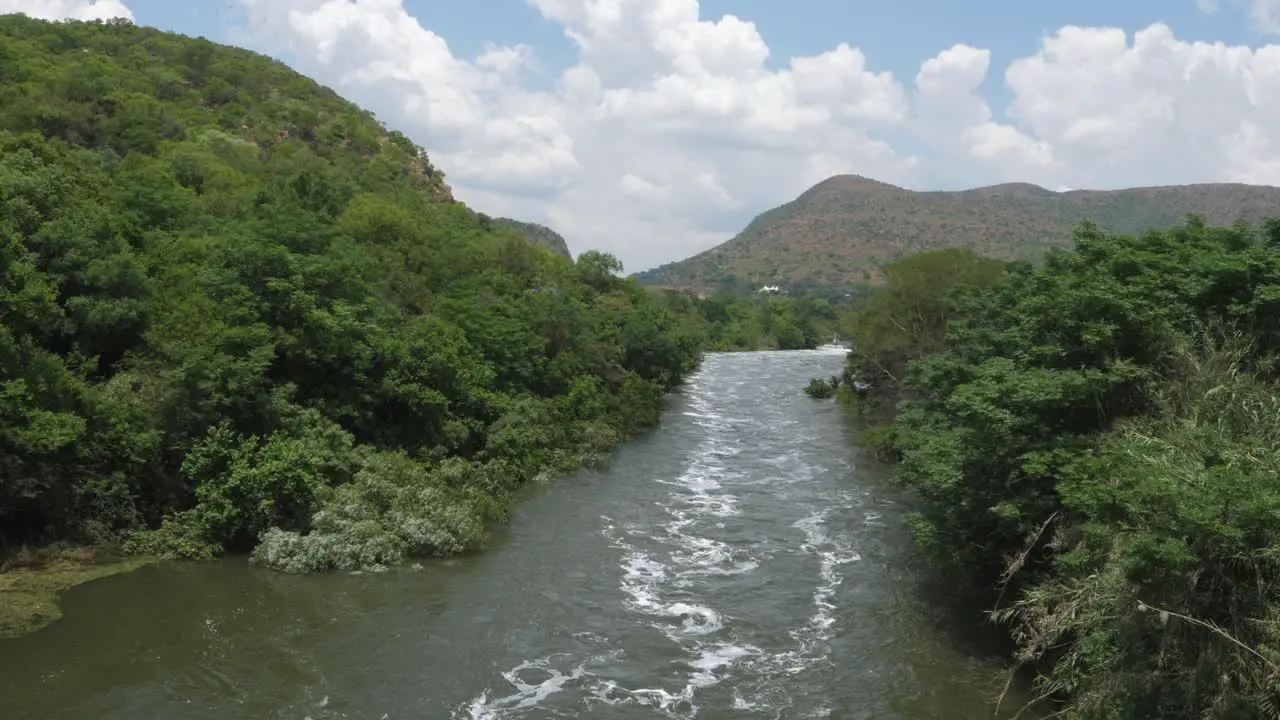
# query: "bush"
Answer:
x=822 y=389
x=236 y=307
x=394 y=508
x=1097 y=442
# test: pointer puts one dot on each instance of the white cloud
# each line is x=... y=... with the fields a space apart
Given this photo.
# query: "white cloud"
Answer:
x=667 y=134
x=670 y=130
x=67 y=9
x=1153 y=110
x=952 y=116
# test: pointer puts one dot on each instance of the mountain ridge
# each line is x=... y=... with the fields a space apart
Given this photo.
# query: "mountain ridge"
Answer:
x=842 y=229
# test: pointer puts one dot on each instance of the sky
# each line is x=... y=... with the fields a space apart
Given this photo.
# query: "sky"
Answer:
x=655 y=129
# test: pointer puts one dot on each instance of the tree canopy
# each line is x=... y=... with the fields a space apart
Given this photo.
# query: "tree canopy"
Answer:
x=1097 y=442
x=237 y=312
x=746 y=322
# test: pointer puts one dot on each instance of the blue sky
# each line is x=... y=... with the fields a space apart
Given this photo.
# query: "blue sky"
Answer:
x=895 y=36
x=664 y=131
x=900 y=33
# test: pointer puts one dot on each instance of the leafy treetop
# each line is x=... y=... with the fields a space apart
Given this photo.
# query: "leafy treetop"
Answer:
x=236 y=312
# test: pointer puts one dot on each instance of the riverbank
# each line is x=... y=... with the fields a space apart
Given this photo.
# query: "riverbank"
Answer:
x=741 y=558
x=32 y=582
x=1094 y=444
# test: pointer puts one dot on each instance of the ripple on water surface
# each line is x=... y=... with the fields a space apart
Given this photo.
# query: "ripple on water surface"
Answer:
x=736 y=564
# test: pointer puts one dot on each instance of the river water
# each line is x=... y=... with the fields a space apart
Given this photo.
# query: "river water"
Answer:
x=740 y=561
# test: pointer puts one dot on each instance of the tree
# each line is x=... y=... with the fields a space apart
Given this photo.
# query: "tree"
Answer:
x=237 y=313
x=1094 y=442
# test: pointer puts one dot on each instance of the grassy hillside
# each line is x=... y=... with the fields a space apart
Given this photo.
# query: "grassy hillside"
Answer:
x=237 y=312
x=841 y=231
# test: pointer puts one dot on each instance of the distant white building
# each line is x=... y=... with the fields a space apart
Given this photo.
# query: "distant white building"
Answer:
x=770 y=289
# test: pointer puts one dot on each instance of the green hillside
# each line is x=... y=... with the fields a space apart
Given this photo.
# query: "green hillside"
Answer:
x=237 y=312
x=842 y=231
x=540 y=235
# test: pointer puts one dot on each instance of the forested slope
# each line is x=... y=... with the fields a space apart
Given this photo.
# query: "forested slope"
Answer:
x=540 y=235
x=1096 y=443
x=234 y=307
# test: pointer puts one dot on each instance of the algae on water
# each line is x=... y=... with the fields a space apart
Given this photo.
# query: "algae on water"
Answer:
x=29 y=596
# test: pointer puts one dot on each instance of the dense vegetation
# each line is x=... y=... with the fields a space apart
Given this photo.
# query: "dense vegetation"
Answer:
x=540 y=235
x=906 y=319
x=1097 y=443
x=236 y=312
x=731 y=321
x=840 y=233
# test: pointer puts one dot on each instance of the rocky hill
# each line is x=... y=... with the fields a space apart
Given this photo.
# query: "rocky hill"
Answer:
x=539 y=235
x=841 y=230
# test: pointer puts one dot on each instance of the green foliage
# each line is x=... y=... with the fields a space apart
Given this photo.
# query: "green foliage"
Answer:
x=737 y=321
x=1098 y=441
x=235 y=307
x=905 y=319
x=1166 y=597
x=539 y=235
x=820 y=389
x=395 y=508
x=840 y=232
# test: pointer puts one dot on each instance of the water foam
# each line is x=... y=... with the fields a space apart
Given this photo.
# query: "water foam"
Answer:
x=661 y=568
x=527 y=693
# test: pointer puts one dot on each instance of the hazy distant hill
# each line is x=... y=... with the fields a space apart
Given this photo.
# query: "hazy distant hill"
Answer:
x=841 y=230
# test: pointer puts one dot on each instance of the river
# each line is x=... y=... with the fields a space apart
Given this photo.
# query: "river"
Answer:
x=740 y=561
